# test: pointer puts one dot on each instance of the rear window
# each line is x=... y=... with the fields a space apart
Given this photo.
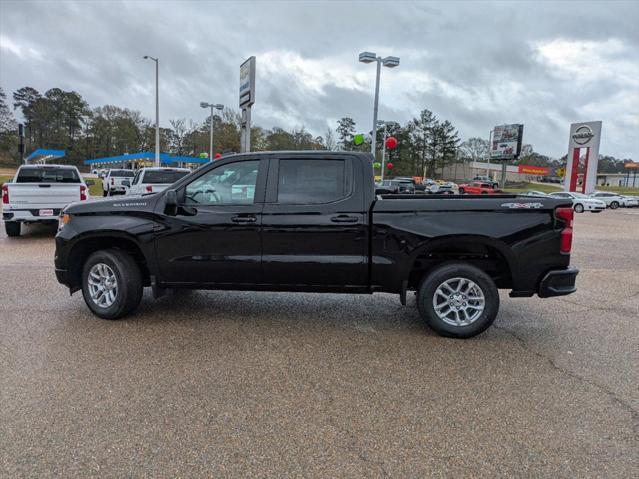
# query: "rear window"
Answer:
x=122 y=173
x=48 y=175
x=163 y=176
x=313 y=181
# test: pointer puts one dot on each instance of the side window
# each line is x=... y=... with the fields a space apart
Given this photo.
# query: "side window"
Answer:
x=231 y=184
x=304 y=182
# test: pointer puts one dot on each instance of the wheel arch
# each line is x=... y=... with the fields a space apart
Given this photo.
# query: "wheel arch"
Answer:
x=488 y=254
x=87 y=245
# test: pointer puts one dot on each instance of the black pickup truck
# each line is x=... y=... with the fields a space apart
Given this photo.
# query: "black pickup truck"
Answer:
x=310 y=221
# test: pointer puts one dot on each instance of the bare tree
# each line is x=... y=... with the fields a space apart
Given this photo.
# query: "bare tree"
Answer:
x=474 y=149
x=329 y=140
x=179 y=131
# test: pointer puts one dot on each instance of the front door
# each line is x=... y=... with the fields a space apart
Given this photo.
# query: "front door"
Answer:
x=215 y=236
x=314 y=224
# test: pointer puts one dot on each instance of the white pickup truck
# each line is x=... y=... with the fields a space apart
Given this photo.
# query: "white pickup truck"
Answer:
x=154 y=180
x=38 y=193
x=112 y=181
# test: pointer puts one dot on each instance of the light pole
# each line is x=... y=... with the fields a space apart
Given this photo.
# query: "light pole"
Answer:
x=216 y=106
x=490 y=145
x=389 y=62
x=157 y=108
x=385 y=125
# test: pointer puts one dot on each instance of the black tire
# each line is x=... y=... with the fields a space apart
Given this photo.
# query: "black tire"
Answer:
x=579 y=208
x=104 y=193
x=129 y=282
x=461 y=191
x=447 y=271
x=614 y=205
x=12 y=228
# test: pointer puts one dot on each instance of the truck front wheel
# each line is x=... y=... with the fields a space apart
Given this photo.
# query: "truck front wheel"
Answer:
x=12 y=228
x=458 y=300
x=111 y=283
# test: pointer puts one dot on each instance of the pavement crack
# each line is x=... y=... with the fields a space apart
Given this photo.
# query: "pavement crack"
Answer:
x=634 y=414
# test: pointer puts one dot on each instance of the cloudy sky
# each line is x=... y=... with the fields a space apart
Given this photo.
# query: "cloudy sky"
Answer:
x=542 y=63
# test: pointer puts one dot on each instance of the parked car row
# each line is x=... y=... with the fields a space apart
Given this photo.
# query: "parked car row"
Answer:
x=141 y=181
x=595 y=202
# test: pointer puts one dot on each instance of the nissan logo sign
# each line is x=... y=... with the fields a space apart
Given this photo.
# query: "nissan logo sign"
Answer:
x=583 y=134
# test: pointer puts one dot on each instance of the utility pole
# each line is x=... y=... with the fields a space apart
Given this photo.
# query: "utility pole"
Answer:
x=157 y=108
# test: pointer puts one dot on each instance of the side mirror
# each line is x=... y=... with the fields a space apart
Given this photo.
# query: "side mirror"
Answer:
x=170 y=203
x=126 y=183
x=89 y=182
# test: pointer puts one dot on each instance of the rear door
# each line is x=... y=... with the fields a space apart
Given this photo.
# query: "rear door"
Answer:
x=314 y=224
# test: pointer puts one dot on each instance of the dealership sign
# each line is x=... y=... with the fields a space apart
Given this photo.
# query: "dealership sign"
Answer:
x=506 y=143
x=583 y=155
x=247 y=82
x=533 y=170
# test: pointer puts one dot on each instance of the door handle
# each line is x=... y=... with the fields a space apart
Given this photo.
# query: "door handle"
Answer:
x=344 y=219
x=243 y=219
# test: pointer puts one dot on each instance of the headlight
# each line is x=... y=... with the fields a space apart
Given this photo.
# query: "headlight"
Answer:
x=63 y=219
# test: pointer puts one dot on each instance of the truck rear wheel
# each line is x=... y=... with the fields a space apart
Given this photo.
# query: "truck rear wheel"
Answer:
x=458 y=300
x=111 y=283
x=461 y=191
x=12 y=228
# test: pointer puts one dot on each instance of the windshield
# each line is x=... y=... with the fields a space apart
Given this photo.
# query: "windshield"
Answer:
x=163 y=176
x=122 y=173
x=48 y=175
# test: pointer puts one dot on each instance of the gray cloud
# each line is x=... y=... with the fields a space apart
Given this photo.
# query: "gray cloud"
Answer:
x=477 y=64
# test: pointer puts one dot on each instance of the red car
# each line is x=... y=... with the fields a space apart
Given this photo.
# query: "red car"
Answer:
x=478 y=188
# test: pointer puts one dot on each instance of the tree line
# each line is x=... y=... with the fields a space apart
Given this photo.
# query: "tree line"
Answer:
x=58 y=119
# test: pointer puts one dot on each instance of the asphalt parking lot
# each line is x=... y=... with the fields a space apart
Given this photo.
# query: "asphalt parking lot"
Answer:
x=225 y=384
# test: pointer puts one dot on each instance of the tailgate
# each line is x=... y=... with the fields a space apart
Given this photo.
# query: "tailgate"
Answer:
x=42 y=195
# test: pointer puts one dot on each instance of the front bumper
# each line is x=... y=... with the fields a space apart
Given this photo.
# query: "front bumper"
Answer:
x=591 y=207
x=558 y=283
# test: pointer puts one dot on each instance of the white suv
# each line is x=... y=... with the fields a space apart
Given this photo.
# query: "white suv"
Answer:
x=154 y=180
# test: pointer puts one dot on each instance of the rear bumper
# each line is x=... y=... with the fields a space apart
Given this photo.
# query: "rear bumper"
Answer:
x=558 y=283
x=30 y=215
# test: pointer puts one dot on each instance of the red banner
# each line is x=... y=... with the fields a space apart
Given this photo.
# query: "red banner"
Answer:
x=534 y=170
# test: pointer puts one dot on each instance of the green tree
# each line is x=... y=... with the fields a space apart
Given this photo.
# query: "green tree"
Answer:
x=345 y=133
x=8 y=130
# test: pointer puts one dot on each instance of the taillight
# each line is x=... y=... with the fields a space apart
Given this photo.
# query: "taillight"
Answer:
x=149 y=189
x=83 y=193
x=5 y=194
x=566 y=215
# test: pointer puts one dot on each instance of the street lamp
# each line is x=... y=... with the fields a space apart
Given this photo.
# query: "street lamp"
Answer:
x=157 y=109
x=389 y=62
x=216 y=106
